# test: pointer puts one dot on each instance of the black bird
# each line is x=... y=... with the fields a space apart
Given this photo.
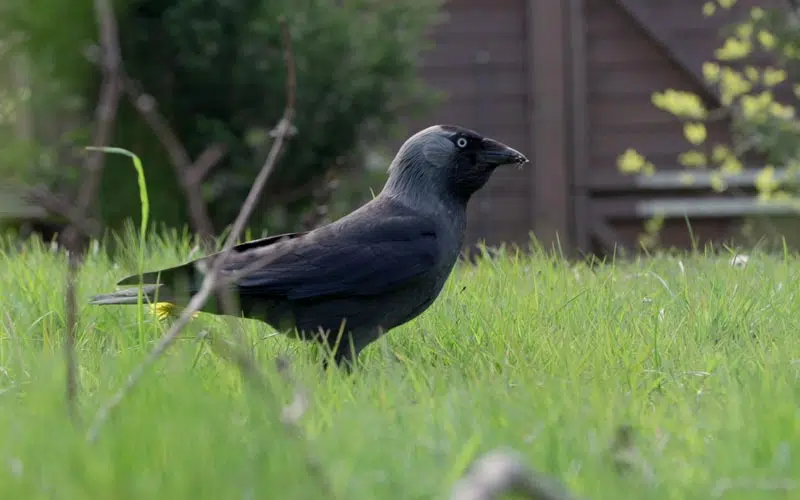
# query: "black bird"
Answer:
x=366 y=273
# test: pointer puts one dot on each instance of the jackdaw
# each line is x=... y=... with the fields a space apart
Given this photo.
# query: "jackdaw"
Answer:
x=366 y=273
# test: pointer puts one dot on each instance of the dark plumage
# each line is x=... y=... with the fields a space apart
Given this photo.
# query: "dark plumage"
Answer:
x=374 y=269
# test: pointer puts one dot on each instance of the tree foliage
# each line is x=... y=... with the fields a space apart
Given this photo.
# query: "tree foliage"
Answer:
x=217 y=73
x=752 y=70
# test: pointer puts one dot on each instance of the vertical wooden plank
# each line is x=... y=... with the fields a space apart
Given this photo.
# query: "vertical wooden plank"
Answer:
x=579 y=125
x=482 y=227
x=547 y=56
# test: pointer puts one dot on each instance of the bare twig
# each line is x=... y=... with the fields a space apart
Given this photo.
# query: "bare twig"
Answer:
x=106 y=111
x=625 y=454
x=500 y=472
x=782 y=485
x=291 y=413
x=282 y=131
x=206 y=161
x=190 y=174
x=105 y=115
x=294 y=411
x=290 y=416
x=57 y=205
x=72 y=333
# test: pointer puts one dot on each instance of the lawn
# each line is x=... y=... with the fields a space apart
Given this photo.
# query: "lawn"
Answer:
x=701 y=359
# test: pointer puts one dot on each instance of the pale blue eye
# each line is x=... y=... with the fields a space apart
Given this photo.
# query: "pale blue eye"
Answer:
x=461 y=142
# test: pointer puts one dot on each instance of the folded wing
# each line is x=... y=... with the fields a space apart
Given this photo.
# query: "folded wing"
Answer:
x=392 y=253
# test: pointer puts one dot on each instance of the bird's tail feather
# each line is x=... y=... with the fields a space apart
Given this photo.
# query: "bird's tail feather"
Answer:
x=128 y=296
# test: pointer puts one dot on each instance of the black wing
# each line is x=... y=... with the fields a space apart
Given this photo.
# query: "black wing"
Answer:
x=357 y=261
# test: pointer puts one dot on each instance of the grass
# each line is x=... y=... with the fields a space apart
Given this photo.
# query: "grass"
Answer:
x=702 y=360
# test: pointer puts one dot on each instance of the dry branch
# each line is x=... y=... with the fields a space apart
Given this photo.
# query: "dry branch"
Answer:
x=206 y=161
x=106 y=110
x=57 y=205
x=190 y=174
x=502 y=472
x=290 y=416
x=105 y=116
x=209 y=284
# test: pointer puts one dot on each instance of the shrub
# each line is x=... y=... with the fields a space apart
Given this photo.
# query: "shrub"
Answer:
x=217 y=72
x=764 y=124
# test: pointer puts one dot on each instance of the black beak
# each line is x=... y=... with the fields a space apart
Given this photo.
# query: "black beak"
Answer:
x=496 y=153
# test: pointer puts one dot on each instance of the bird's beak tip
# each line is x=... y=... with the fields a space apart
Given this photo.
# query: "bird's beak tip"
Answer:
x=517 y=158
x=501 y=154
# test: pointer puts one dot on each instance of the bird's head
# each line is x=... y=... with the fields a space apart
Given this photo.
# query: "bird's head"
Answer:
x=452 y=160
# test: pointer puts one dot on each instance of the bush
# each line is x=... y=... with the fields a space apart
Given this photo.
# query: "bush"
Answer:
x=217 y=72
x=753 y=92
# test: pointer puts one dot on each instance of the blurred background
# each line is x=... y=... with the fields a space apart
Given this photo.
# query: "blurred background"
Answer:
x=571 y=83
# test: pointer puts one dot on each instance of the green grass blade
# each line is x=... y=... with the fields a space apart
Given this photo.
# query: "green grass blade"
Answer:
x=145 y=207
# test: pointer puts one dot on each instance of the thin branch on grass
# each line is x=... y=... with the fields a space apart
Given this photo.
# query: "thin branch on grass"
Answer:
x=224 y=294
x=294 y=411
x=501 y=472
x=778 y=485
x=626 y=456
x=291 y=415
x=282 y=131
x=105 y=116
